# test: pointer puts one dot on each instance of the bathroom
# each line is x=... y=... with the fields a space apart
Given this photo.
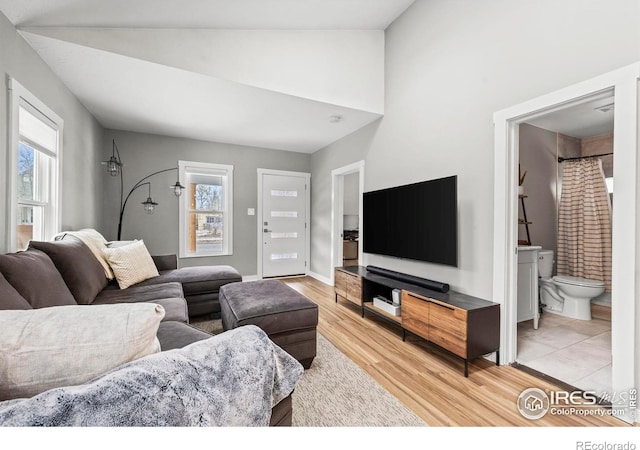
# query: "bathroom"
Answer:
x=564 y=324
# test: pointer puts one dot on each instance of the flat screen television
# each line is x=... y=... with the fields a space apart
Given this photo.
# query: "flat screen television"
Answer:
x=416 y=221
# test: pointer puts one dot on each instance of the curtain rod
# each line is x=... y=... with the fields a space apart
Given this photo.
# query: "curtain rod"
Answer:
x=561 y=159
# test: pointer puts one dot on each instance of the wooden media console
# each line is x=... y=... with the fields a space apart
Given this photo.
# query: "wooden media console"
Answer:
x=466 y=326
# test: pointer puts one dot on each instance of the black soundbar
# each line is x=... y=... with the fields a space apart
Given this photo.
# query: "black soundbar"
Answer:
x=429 y=284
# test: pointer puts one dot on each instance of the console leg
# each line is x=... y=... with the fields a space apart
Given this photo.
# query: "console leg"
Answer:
x=466 y=368
x=498 y=358
x=404 y=335
x=362 y=312
x=336 y=298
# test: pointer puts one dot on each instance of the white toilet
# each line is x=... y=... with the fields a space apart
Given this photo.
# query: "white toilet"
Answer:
x=565 y=295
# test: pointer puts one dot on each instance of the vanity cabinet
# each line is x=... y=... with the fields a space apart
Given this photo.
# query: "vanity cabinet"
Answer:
x=528 y=298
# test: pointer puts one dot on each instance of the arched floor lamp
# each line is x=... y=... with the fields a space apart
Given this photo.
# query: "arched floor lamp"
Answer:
x=114 y=168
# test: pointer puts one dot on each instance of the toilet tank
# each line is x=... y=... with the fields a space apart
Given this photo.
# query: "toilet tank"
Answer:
x=545 y=263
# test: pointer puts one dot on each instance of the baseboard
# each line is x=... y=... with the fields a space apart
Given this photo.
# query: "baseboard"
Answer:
x=319 y=277
x=250 y=278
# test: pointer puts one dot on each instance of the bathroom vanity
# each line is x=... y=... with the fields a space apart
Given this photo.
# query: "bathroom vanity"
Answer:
x=528 y=299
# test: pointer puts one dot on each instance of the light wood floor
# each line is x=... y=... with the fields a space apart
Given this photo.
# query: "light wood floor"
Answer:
x=427 y=380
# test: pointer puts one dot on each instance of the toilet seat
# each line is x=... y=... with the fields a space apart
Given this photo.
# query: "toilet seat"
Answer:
x=577 y=281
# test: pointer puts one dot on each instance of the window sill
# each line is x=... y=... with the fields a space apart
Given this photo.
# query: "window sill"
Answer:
x=204 y=255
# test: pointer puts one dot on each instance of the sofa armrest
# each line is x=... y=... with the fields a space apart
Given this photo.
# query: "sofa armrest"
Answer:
x=165 y=262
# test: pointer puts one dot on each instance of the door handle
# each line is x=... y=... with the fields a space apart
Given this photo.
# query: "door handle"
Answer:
x=267 y=231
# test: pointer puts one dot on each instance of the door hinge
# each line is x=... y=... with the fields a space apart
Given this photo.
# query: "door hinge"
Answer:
x=305 y=225
x=305 y=264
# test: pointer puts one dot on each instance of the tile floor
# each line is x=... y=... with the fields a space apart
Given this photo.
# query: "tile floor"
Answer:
x=574 y=351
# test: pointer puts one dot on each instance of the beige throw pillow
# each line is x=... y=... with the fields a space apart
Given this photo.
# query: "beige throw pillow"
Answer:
x=131 y=263
x=42 y=349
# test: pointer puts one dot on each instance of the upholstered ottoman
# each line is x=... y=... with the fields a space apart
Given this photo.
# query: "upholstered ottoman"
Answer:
x=288 y=317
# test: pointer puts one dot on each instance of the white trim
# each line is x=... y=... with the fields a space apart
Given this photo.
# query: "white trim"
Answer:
x=307 y=177
x=321 y=278
x=250 y=277
x=337 y=204
x=18 y=96
x=625 y=292
x=227 y=188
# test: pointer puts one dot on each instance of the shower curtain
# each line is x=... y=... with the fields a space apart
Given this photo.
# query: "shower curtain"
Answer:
x=584 y=222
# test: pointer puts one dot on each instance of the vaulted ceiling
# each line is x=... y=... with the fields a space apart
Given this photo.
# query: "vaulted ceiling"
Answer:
x=286 y=74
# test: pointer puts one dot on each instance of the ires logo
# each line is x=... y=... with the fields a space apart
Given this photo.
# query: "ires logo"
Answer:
x=575 y=398
x=534 y=403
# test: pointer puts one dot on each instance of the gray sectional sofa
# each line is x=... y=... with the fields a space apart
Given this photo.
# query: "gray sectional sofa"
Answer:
x=65 y=272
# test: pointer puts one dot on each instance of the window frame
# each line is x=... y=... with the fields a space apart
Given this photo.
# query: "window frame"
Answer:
x=19 y=97
x=185 y=168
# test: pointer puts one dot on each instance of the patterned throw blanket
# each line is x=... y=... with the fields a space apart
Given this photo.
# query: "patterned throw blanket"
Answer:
x=232 y=379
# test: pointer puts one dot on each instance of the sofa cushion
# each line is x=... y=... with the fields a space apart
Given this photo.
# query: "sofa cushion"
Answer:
x=41 y=349
x=79 y=268
x=138 y=293
x=35 y=277
x=174 y=335
x=10 y=298
x=198 y=280
x=131 y=263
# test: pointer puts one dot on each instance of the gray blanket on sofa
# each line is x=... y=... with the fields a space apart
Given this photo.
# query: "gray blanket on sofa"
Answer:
x=232 y=379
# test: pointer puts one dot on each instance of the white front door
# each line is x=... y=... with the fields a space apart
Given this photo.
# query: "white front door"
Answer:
x=284 y=224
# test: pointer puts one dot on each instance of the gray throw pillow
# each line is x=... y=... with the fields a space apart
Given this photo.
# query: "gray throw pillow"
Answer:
x=80 y=269
x=10 y=298
x=35 y=277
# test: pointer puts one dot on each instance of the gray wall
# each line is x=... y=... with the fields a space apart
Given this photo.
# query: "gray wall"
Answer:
x=539 y=151
x=143 y=154
x=538 y=157
x=449 y=66
x=82 y=139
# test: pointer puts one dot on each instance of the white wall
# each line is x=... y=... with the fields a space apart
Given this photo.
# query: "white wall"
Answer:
x=449 y=65
x=143 y=154
x=82 y=139
x=342 y=67
x=351 y=194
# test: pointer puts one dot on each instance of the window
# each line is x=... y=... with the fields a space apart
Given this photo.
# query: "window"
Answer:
x=36 y=136
x=206 y=211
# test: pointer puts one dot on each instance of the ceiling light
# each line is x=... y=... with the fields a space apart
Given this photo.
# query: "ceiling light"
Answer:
x=336 y=118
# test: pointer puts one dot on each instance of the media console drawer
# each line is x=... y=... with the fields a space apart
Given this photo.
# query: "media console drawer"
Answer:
x=415 y=314
x=348 y=286
x=435 y=321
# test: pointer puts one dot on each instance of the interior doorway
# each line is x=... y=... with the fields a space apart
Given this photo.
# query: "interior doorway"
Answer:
x=623 y=83
x=347 y=187
x=558 y=239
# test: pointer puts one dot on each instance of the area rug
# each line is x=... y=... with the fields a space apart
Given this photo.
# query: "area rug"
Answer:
x=335 y=392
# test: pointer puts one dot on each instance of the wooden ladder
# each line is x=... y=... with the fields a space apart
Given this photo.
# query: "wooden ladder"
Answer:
x=524 y=222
